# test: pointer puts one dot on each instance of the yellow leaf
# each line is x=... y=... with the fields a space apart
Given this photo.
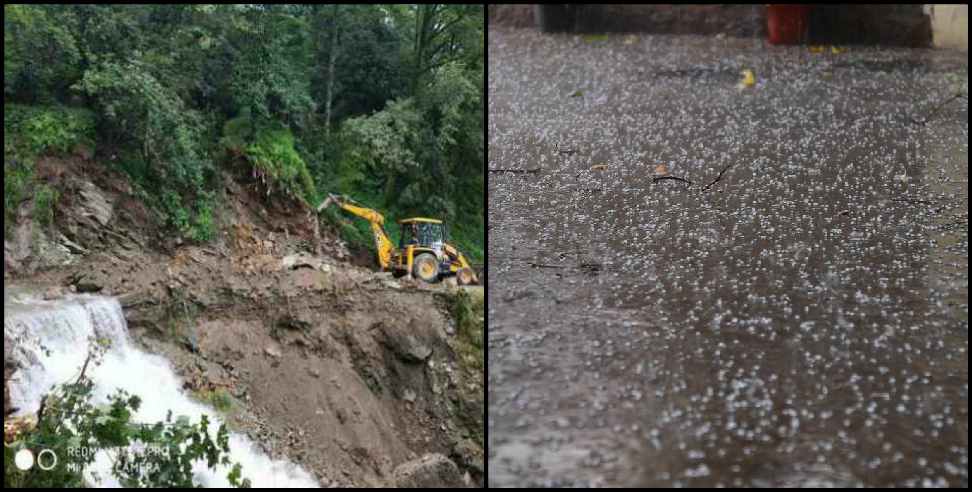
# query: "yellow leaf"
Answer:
x=630 y=39
x=835 y=50
x=749 y=79
x=816 y=49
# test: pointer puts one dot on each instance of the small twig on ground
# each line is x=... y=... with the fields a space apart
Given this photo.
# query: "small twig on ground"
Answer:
x=542 y=265
x=515 y=171
x=939 y=107
x=714 y=181
x=656 y=179
x=567 y=151
x=674 y=178
x=912 y=201
x=592 y=268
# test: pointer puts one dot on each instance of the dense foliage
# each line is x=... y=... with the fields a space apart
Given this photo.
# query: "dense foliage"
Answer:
x=380 y=102
x=31 y=131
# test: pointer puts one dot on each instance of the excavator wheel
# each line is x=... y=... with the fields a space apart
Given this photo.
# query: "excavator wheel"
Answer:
x=464 y=276
x=426 y=267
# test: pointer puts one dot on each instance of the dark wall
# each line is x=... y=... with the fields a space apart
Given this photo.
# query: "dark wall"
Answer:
x=898 y=25
x=734 y=20
x=903 y=25
x=519 y=15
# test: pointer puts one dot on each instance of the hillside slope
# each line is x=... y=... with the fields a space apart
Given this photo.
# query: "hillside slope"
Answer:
x=338 y=367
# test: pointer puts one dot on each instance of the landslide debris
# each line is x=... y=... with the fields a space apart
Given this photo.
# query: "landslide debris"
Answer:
x=357 y=377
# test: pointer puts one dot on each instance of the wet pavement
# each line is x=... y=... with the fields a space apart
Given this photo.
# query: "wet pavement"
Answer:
x=800 y=321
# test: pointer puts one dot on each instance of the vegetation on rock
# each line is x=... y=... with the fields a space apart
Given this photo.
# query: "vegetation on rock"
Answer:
x=380 y=102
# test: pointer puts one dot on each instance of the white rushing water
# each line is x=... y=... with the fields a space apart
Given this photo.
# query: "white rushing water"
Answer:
x=53 y=340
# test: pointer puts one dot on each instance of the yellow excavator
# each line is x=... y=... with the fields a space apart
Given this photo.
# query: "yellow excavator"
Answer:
x=422 y=252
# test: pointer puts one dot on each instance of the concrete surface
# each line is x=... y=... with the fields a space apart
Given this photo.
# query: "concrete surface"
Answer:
x=950 y=26
x=796 y=316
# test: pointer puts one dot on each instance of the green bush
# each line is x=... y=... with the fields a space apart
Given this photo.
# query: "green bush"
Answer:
x=195 y=223
x=274 y=158
x=137 y=111
x=220 y=399
x=45 y=199
x=18 y=181
x=468 y=313
x=49 y=129
x=237 y=132
x=469 y=241
x=203 y=228
x=161 y=141
x=61 y=130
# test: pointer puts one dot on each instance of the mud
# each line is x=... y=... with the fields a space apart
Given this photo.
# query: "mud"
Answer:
x=800 y=321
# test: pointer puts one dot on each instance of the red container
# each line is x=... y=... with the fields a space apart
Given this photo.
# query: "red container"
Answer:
x=787 y=23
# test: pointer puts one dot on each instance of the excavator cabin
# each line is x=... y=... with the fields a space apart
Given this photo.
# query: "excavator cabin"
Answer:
x=422 y=251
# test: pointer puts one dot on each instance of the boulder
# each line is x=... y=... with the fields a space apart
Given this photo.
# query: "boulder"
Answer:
x=408 y=347
x=408 y=395
x=17 y=252
x=85 y=283
x=54 y=292
x=10 y=265
x=303 y=260
x=297 y=320
x=468 y=454
x=71 y=246
x=48 y=253
x=93 y=204
x=429 y=471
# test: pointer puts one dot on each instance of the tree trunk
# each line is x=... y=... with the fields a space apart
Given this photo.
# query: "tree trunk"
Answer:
x=332 y=56
x=423 y=23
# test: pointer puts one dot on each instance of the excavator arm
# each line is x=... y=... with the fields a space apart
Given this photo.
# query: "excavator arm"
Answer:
x=382 y=243
x=454 y=252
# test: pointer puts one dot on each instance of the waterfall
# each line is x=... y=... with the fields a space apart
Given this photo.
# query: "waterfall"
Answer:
x=52 y=341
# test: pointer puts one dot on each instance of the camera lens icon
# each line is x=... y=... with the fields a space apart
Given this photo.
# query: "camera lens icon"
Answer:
x=46 y=460
x=24 y=460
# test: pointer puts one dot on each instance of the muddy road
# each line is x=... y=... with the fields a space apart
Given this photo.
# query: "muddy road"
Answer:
x=797 y=315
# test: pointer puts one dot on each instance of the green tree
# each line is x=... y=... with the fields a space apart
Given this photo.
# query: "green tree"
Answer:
x=40 y=57
x=442 y=33
x=380 y=101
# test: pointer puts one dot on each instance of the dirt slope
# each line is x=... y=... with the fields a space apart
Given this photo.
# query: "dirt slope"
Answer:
x=338 y=367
